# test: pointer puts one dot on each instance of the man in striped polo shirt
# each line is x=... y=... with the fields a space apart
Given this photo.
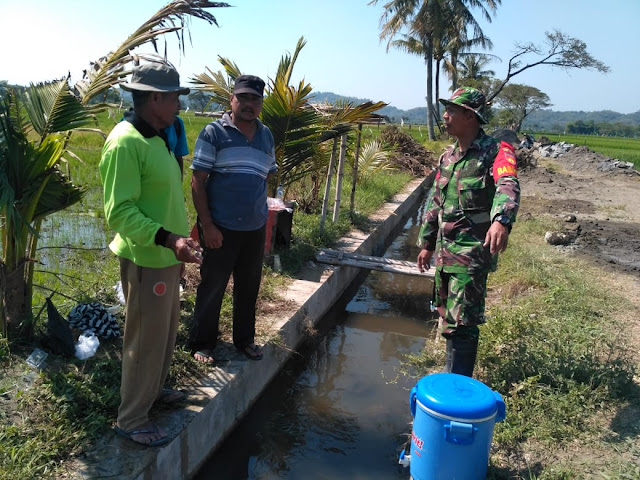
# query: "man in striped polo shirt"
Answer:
x=232 y=159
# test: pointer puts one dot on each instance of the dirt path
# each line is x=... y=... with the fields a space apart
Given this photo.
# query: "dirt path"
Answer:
x=606 y=206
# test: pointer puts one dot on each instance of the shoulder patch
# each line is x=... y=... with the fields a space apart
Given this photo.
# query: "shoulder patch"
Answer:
x=505 y=163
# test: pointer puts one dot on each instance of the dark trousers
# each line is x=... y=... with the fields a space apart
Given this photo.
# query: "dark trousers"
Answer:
x=241 y=254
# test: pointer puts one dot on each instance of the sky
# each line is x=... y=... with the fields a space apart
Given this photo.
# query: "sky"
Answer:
x=343 y=53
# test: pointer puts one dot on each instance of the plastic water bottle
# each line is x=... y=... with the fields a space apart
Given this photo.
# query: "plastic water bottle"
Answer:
x=280 y=192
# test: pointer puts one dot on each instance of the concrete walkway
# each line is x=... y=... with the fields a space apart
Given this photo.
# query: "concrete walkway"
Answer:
x=219 y=401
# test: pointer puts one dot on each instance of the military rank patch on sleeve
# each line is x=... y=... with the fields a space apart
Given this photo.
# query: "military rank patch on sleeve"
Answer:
x=505 y=162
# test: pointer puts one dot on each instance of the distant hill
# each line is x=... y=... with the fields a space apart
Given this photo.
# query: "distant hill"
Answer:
x=550 y=120
x=395 y=115
x=540 y=120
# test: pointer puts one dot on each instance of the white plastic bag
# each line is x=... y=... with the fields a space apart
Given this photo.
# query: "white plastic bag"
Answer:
x=87 y=346
x=119 y=293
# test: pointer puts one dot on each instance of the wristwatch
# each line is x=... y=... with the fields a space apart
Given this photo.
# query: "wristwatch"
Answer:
x=504 y=220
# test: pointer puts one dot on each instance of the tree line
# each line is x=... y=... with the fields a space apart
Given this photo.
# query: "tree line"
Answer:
x=603 y=128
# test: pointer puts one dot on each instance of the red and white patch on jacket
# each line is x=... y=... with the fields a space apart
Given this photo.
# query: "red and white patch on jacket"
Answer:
x=505 y=163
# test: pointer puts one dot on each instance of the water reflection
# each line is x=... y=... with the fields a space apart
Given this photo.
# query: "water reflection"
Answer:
x=344 y=416
x=63 y=232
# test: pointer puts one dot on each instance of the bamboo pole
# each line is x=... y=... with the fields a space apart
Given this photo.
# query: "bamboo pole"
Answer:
x=355 y=170
x=327 y=188
x=343 y=154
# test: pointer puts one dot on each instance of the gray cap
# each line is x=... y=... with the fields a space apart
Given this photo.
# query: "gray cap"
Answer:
x=155 y=77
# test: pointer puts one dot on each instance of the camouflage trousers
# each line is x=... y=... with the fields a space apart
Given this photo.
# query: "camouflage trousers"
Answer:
x=459 y=299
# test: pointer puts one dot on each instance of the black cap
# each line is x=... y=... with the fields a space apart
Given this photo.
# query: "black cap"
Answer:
x=248 y=84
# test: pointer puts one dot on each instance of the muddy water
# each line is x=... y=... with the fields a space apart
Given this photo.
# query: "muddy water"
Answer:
x=341 y=411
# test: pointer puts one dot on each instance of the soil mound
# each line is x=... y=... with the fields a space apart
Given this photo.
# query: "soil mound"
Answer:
x=411 y=155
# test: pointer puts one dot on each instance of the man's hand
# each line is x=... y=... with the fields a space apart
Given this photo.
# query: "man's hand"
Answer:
x=212 y=236
x=497 y=238
x=186 y=249
x=424 y=260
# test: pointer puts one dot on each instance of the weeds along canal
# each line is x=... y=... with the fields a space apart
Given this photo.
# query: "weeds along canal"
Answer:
x=340 y=409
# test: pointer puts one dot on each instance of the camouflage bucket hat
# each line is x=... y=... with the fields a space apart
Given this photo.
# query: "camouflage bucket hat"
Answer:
x=468 y=98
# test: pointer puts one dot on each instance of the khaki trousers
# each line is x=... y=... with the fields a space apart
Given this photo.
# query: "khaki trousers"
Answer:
x=152 y=313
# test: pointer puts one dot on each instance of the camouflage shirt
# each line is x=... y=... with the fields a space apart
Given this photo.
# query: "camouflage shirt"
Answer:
x=469 y=192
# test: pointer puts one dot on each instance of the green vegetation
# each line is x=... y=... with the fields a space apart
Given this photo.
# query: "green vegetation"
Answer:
x=48 y=416
x=550 y=351
x=623 y=149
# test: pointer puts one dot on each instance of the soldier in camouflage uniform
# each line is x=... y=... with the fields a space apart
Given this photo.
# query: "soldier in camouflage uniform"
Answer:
x=475 y=200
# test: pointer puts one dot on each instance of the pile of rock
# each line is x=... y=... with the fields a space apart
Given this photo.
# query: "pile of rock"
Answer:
x=611 y=164
x=555 y=150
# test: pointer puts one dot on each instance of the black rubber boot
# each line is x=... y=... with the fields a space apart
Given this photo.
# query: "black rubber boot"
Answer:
x=448 y=357
x=461 y=355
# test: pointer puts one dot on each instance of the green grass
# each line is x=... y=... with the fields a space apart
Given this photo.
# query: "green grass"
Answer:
x=623 y=149
x=549 y=348
x=306 y=235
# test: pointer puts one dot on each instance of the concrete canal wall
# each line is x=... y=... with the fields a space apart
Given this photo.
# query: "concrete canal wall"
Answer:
x=219 y=401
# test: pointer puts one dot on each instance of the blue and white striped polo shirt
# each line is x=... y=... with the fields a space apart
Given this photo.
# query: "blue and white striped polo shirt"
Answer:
x=238 y=169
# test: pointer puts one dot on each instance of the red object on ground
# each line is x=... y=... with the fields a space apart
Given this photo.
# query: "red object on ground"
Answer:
x=270 y=234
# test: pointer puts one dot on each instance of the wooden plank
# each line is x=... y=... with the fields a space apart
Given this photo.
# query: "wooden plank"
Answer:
x=337 y=257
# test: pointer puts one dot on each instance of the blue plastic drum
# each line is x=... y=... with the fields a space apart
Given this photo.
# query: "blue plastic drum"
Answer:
x=453 y=420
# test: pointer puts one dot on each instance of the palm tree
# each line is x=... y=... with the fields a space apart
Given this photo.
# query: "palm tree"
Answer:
x=35 y=126
x=432 y=22
x=473 y=73
x=298 y=129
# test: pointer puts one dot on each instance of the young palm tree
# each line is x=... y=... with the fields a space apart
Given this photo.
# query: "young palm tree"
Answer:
x=298 y=129
x=33 y=138
x=374 y=159
x=35 y=127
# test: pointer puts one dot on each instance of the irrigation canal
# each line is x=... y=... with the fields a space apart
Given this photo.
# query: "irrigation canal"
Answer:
x=340 y=410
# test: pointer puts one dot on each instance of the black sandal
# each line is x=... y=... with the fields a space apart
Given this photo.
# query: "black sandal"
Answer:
x=252 y=352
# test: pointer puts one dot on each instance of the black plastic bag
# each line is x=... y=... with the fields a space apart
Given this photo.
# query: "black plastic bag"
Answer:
x=59 y=336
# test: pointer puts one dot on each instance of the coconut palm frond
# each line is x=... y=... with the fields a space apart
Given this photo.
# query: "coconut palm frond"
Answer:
x=217 y=84
x=51 y=108
x=348 y=113
x=295 y=126
x=59 y=193
x=13 y=143
x=232 y=69
x=287 y=62
x=27 y=170
x=110 y=70
x=41 y=160
x=374 y=158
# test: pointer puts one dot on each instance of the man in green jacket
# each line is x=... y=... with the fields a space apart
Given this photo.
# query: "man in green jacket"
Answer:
x=475 y=200
x=144 y=204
